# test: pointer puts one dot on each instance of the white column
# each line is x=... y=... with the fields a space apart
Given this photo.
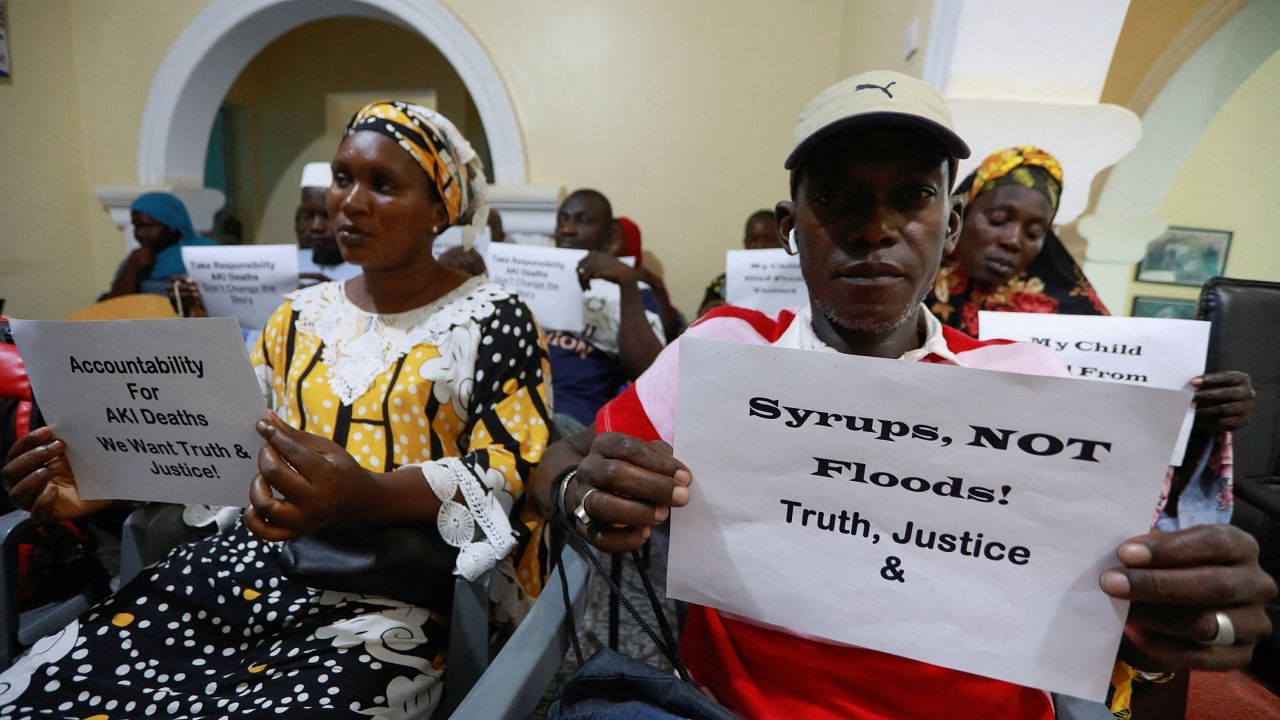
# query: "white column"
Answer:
x=1047 y=95
x=526 y=209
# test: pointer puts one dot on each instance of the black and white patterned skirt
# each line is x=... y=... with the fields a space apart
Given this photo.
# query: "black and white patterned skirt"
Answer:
x=216 y=631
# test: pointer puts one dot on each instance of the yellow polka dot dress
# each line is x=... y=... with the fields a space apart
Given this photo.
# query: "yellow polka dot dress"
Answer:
x=458 y=389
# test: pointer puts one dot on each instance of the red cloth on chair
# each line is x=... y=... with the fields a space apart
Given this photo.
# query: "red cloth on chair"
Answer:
x=14 y=384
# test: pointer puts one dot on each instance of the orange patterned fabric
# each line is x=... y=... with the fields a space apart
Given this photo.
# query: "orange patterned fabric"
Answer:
x=437 y=146
x=1019 y=165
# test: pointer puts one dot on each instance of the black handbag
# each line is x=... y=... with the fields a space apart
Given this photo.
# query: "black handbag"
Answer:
x=613 y=686
x=408 y=562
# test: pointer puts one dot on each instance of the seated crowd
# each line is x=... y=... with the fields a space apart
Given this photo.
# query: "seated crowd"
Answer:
x=414 y=398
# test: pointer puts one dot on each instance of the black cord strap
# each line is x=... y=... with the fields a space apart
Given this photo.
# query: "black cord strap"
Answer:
x=561 y=517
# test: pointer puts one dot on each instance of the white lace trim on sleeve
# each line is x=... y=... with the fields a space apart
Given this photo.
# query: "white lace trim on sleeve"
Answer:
x=483 y=507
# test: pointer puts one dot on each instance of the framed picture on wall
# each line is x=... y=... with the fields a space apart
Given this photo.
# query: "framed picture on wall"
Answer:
x=1156 y=307
x=1185 y=256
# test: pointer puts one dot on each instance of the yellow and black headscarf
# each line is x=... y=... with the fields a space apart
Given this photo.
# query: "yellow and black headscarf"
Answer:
x=1051 y=283
x=1023 y=165
x=436 y=145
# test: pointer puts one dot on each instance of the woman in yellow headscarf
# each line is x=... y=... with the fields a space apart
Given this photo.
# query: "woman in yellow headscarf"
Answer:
x=412 y=405
x=1008 y=258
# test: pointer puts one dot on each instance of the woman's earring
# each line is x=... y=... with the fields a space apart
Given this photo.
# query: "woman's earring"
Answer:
x=435 y=229
x=792 y=247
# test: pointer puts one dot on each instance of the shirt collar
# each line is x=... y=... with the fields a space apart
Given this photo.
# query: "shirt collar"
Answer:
x=801 y=336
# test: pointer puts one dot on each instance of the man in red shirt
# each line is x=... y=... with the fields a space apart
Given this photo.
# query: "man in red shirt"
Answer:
x=873 y=162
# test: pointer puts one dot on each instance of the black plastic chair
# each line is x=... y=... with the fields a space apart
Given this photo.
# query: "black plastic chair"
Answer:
x=20 y=630
x=514 y=682
x=1245 y=335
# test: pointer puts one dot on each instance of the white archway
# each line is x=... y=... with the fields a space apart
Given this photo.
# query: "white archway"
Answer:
x=1126 y=215
x=206 y=59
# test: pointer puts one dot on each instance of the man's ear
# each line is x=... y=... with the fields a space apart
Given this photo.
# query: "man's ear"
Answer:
x=616 y=244
x=955 y=223
x=785 y=213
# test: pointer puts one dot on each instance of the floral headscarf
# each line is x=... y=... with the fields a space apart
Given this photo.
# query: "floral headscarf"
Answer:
x=1052 y=282
x=1023 y=165
x=436 y=145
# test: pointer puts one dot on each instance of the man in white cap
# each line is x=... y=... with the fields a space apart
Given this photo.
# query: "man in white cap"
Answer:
x=319 y=257
x=872 y=166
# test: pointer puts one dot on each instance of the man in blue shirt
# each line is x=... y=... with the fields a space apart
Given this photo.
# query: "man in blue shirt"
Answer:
x=622 y=330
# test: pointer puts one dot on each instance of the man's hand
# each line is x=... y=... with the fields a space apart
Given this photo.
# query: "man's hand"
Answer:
x=184 y=296
x=635 y=486
x=319 y=483
x=39 y=479
x=1177 y=582
x=602 y=265
x=1223 y=400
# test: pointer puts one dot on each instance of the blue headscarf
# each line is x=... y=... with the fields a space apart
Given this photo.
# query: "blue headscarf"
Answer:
x=168 y=210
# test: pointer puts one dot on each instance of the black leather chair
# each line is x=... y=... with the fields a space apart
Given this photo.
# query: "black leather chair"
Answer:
x=1246 y=336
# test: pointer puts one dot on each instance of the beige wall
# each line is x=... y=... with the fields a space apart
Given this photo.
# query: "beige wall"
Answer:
x=873 y=33
x=279 y=99
x=44 y=200
x=681 y=111
x=119 y=46
x=69 y=122
x=1229 y=183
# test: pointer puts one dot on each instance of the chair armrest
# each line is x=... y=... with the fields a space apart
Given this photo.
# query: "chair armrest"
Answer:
x=517 y=677
x=468 y=640
x=9 y=523
x=149 y=533
x=1073 y=708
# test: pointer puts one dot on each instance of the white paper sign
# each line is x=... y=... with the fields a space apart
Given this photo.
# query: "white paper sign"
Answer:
x=879 y=503
x=159 y=410
x=545 y=278
x=246 y=282
x=765 y=280
x=1146 y=351
x=307 y=264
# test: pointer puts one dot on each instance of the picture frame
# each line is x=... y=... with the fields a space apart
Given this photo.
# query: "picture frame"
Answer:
x=1158 y=307
x=1185 y=256
x=4 y=39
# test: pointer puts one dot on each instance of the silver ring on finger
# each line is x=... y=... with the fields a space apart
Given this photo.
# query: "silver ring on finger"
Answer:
x=1226 y=634
x=581 y=511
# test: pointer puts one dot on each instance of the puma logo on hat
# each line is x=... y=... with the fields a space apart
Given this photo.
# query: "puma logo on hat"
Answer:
x=902 y=99
x=882 y=88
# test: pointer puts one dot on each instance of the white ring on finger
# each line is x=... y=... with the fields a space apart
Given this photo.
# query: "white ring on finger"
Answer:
x=1226 y=634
